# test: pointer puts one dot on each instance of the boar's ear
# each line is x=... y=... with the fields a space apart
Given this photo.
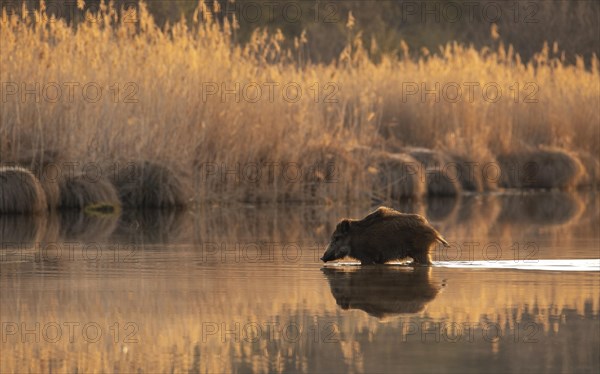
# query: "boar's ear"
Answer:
x=345 y=226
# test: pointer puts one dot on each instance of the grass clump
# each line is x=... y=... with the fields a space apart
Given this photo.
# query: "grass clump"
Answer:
x=20 y=191
x=398 y=176
x=87 y=194
x=146 y=184
x=545 y=168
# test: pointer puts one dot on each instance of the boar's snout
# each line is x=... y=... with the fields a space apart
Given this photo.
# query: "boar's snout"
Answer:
x=328 y=255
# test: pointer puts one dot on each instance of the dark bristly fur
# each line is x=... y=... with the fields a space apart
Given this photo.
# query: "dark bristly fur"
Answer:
x=384 y=235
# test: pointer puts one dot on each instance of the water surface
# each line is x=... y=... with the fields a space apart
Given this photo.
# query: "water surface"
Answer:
x=241 y=289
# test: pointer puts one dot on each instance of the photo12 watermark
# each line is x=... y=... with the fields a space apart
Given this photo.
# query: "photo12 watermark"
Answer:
x=69 y=92
x=270 y=331
x=270 y=92
x=469 y=92
x=492 y=251
x=470 y=11
x=430 y=332
x=68 y=251
x=69 y=331
x=258 y=252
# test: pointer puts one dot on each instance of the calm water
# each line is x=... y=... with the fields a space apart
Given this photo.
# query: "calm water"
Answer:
x=241 y=289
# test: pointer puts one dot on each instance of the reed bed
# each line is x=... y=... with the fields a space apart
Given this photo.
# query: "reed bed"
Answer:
x=255 y=123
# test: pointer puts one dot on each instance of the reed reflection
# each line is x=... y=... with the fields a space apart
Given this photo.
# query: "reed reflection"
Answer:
x=150 y=226
x=85 y=227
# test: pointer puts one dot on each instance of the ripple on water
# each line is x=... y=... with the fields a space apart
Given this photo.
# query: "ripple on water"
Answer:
x=546 y=265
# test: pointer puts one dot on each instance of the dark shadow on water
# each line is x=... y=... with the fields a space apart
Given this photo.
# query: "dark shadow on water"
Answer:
x=441 y=208
x=382 y=291
x=21 y=229
x=544 y=208
x=468 y=217
x=77 y=225
x=150 y=226
x=405 y=205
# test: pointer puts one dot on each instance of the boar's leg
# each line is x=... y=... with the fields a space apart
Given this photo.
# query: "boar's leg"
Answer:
x=421 y=258
x=367 y=261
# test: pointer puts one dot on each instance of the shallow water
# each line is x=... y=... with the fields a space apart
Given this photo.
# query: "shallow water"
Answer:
x=241 y=289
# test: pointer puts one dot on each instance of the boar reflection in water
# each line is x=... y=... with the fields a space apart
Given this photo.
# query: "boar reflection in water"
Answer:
x=382 y=291
x=382 y=236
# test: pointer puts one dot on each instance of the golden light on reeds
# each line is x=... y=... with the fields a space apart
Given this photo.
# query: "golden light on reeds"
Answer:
x=157 y=103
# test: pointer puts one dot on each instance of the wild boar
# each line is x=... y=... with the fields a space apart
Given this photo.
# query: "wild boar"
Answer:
x=382 y=236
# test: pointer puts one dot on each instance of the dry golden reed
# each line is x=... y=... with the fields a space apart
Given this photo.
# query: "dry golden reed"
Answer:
x=187 y=96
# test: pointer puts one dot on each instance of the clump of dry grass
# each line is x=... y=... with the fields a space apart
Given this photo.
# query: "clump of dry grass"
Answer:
x=546 y=168
x=146 y=184
x=45 y=165
x=80 y=191
x=445 y=176
x=20 y=191
x=180 y=120
x=441 y=184
x=473 y=175
x=451 y=172
x=397 y=176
